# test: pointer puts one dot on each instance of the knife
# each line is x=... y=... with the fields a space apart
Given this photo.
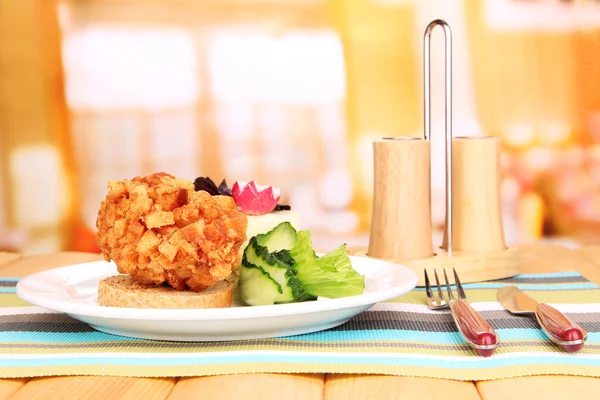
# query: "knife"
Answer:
x=558 y=327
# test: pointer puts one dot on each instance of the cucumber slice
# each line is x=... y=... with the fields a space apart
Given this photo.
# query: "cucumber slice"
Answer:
x=282 y=237
x=281 y=258
x=256 y=288
x=271 y=269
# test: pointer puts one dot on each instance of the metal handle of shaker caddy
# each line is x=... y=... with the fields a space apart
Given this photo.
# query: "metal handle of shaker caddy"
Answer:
x=448 y=97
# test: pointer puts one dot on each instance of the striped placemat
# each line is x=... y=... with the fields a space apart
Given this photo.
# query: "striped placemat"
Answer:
x=399 y=337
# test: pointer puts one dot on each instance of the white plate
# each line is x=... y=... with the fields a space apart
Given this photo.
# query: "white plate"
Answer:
x=73 y=290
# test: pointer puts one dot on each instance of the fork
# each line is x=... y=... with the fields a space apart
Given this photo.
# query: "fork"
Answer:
x=472 y=326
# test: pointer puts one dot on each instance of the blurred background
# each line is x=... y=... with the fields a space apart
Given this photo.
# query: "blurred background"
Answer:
x=291 y=94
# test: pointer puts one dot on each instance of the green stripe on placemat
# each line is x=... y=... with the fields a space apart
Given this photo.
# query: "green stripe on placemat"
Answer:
x=399 y=337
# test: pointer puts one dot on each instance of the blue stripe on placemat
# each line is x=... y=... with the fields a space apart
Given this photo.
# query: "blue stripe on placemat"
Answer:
x=62 y=337
x=329 y=336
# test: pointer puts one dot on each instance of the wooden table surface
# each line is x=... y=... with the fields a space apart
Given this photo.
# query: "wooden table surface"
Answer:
x=536 y=258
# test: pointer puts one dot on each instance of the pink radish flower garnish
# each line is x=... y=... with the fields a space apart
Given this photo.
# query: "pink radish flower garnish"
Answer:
x=252 y=199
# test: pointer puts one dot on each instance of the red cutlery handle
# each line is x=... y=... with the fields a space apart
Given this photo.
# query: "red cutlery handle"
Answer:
x=560 y=328
x=475 y=328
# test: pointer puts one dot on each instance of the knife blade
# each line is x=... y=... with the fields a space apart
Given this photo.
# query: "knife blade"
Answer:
x=557 y=326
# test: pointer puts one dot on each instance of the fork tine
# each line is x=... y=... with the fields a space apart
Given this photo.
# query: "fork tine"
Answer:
x=448 y=286
x=459 y=288
x=439 y=287
x=428 y=286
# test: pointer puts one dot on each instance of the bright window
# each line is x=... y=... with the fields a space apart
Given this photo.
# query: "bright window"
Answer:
x=133 y=94
x=251 y=105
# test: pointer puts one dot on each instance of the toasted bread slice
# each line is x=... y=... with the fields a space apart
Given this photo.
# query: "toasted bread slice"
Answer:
x=124 y=291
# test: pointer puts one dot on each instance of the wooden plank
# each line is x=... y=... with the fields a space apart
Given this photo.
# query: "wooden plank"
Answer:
x=32 y=264
x=9 y=387
x=540 y=258
x=592 y=253
x=359 y=387
x=540 y=387
x=8 y=257
x=96 y=388
x=250 y=386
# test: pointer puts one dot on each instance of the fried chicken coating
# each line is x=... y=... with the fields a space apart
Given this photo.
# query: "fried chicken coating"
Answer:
x=159 y=230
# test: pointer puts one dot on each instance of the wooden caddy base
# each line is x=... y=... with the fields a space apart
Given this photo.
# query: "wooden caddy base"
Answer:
x=470 y=266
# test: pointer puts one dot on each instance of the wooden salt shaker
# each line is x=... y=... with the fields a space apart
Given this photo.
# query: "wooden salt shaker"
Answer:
x=476 y=208
x=401 y=216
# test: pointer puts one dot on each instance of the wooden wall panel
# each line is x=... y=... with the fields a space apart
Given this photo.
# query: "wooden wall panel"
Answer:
x=522 y=77
x=33 y=111
x=382 y=83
